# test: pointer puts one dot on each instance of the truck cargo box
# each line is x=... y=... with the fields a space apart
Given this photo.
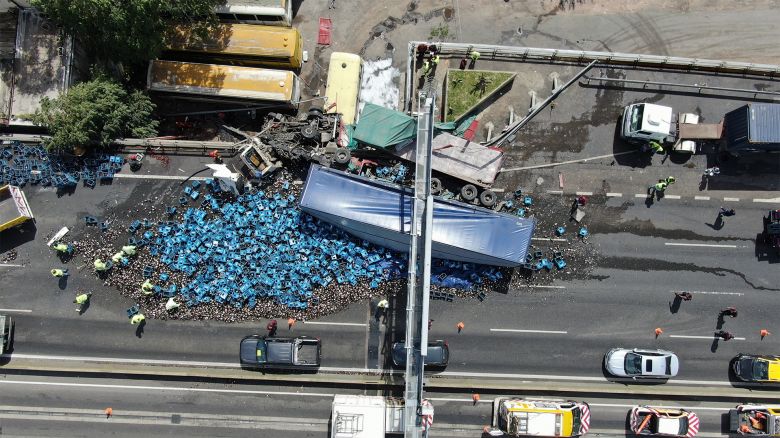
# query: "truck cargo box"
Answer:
x=381 y=213
x=754 y=127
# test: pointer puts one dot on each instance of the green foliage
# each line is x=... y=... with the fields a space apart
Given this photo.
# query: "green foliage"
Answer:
x=95 y=113
x=126 y=31
x=441 y=32
x=466 y=88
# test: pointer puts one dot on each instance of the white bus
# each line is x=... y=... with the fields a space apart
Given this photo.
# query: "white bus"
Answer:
x=268 y=12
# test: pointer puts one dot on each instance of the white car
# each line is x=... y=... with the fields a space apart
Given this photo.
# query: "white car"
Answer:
x=659 y=364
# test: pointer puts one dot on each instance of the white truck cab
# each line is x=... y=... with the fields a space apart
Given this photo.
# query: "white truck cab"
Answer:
x=644 y=122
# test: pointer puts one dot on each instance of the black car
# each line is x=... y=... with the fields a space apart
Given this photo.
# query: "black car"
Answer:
x=269 y=352
x=438 y=354
x=757 y=368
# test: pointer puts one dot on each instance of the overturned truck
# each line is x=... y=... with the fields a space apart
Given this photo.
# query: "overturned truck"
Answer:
x=381 y=213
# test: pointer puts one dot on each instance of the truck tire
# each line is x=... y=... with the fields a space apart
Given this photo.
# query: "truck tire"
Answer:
x=316 y=111
x=342 y=156
x=468 y=192
x=309 y=131
x=487 y=198
x=435 y=186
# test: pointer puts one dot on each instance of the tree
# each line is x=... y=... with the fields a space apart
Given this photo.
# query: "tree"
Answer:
x=94 y=113
x=126 y=31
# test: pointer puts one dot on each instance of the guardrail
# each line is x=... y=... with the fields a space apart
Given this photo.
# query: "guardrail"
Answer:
x=157 y=146
x=510 y=53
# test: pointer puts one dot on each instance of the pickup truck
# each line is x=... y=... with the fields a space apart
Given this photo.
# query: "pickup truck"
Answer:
x=6 y=333
x=269 y=352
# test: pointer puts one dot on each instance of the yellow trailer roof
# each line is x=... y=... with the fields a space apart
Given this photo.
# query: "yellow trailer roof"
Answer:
x=343 y=87
x=239 y=39
x=223 y=80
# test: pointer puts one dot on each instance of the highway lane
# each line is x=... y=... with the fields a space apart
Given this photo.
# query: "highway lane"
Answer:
x=46 y=406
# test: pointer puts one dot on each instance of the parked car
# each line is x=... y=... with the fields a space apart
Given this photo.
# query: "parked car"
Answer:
x=438 y=354
x=651 y=421
x=757 y=368
x=267 y=352
x=641 y=363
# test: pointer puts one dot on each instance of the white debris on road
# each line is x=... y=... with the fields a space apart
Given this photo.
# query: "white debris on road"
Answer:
x=378 y=85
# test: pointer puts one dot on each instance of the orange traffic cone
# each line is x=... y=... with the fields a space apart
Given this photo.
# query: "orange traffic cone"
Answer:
x=764 y=333
x=658 y=332
x=290 y=323
x=109 y=412
x=460 y=326
x=475 y=398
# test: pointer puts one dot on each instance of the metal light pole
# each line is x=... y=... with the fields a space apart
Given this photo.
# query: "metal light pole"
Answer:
x=418 y=292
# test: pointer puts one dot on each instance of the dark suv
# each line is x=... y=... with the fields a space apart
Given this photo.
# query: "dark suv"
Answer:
x=438 y=354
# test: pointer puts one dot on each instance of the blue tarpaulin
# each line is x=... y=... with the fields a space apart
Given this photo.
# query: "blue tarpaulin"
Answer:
x=381 y=213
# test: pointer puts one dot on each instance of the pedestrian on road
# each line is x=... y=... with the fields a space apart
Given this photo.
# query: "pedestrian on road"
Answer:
x=582 y=200
x=137 y=319
x=426 y=67
x=474 y=55
x=116 y=258
x=729 y=311
x=81 y=300
x=724 y=335
x=59 y=272
x=463 y=63
x=271 y=327
x=656 y=147
x=727 y=212
x=62 y=248
x=685 y=296
x=129 y=250
x=109 y=412
x=430 y=323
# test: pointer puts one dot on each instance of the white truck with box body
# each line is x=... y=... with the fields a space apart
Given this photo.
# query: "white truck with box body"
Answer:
x=364 y=416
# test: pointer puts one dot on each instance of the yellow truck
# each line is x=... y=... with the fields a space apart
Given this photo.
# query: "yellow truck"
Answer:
x=549 y=418
x=14 y=209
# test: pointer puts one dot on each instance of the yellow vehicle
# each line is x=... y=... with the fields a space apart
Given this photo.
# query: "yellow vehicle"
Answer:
x=239 y=44
x=757 y=368
x=758 y=420
x=269 y=12
x=14 y=208
x=549 y=418
x=343 y=88
x=210 y=82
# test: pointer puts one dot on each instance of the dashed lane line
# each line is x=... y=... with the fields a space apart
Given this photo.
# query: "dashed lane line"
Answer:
x=551 y=332
x=641 y=195
x=9 y=265
x=16 y=310
x=702 y=337
x=348 y=324
x=731 y=199
x=706 y=245
x=697 y=292
x=672 y=197
x=584 y=193
x=162 y=177
x=548 y=239
x=614 y=195
x=768 y=200
x=543 y=286
x=701 y=198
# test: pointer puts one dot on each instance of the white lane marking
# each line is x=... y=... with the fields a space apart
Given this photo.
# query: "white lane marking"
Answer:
x=16 y=310
x=555 y=192
x=554 y=332
x=702 y=337
x=709 y=293
x=541 y=286
x=9 y=265
x=701 y=198
x=583 y=193
x=731 y=199
x=708 y=245
x=641 y=195
x=548 y=239
x=163 y=177
x=349 y=324
x=675 y=382
x=614 y=195
x=768 y=200
x=165 y=388
x=123 y=360
x=581 y=160
x=672 y=196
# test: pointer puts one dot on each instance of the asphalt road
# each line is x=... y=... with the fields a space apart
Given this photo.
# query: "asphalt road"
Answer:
x=51 y=406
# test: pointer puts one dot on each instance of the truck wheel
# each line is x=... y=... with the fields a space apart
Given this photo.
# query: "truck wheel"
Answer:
x=309 y=132
x=435 y=186
x=487 y=198
x=468 y=192
x=316 y=111
x=342 y=156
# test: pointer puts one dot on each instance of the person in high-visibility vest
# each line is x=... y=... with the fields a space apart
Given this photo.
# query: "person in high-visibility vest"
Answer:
x=59 y=272
x=670 y=180
x=171 y=304
x=62 y=248
x=147 y=288
x=100 y=265
x=137 y=319
x=656 y=147
x=129 y=250
x=82 y=299
x=116 y=258
x=426 y=67
x=474 y=55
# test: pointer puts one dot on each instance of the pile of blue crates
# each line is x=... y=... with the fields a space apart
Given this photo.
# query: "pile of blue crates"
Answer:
x=236 y=251
x=21 y=164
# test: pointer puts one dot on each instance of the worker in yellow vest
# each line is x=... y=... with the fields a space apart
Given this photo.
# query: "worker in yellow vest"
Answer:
x=137 y=319
x=81 y=300
x=129 y=250
x=147 y=288
x=100 y=266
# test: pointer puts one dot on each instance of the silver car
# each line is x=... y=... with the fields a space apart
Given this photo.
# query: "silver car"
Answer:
x=659 y=364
